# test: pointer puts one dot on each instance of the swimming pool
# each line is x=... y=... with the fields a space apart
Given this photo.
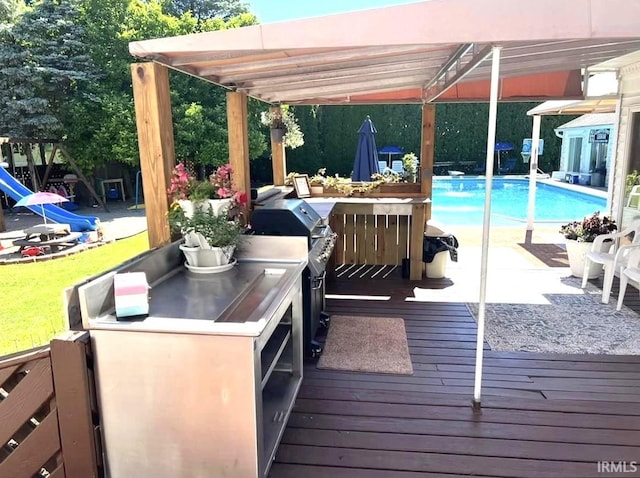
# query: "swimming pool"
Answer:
x=460 y=201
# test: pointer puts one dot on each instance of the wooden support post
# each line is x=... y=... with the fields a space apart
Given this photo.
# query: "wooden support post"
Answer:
x=156 y=145
x=278 y=157
x=47 y=171
x=416 y=239
x=75 y=400
x=32 y=167
x=238 y=130
x=427 y=144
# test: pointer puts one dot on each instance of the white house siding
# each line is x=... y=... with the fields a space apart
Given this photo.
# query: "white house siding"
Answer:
x=630 y=103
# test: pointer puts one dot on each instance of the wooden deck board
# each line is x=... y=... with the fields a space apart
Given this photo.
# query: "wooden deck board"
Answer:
x=543 y=415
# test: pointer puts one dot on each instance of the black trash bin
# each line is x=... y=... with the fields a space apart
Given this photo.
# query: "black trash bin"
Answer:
x=436 y=247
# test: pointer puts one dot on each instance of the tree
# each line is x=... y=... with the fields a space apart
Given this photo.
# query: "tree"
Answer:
x=46 y=67
x=8 y=9
x=206 y=9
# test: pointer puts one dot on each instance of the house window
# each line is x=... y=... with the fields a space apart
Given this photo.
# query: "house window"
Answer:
x=575 y=151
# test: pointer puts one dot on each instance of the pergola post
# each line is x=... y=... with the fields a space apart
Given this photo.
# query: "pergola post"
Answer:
x=156 y=144
x=278 y=157
x=427 y=143
x=238 y=130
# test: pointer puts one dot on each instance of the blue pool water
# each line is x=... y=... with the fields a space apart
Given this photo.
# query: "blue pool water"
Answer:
x=460 y=201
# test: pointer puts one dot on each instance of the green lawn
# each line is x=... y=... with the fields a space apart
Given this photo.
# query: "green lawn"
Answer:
x=32 y=307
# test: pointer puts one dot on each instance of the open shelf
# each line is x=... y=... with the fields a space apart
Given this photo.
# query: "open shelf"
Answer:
x=278 y=398
x=273 y=350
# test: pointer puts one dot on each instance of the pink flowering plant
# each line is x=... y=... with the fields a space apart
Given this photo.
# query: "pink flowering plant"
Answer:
x=218 y=185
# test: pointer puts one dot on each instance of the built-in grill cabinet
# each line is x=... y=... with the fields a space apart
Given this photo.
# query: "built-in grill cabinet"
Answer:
x=294 y=217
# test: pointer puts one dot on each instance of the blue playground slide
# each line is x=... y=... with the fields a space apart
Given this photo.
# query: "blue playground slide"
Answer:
x=16 y=190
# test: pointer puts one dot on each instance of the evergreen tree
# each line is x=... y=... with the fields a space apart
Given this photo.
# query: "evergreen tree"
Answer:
x=46 y=68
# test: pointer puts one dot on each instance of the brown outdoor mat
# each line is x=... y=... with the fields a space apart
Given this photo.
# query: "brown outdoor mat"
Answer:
x=366 y=344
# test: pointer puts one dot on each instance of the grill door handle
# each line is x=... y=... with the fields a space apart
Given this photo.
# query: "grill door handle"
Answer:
x=319 y=280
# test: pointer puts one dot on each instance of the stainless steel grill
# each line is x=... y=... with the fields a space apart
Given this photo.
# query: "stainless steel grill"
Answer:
x=294 y=217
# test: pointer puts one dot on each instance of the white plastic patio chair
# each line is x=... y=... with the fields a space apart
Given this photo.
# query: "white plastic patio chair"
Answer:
x=613 y=257
x=396 y=165
x=630 y=272
x=634 y=197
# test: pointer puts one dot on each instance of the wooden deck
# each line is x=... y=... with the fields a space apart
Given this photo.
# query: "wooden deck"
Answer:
x=543 y=415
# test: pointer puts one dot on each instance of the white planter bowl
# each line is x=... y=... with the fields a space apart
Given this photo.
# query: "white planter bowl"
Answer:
x=207 y=257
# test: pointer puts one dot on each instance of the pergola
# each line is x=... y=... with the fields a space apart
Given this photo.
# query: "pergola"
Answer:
x=440 y=51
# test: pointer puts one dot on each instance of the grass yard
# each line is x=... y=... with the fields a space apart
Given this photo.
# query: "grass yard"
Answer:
x=32 y=308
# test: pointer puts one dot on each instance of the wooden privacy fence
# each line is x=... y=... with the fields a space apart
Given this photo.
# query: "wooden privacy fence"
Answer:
x=379 y=233
x=48 y=412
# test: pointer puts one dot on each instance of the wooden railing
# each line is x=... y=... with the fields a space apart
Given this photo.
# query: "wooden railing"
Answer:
x=48 y=412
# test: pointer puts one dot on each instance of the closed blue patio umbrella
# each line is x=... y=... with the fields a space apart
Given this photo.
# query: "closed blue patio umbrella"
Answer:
x=366 y=162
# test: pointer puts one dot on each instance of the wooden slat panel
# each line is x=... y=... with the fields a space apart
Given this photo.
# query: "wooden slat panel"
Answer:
x=391 y=241
x=25 y=399
x=337 y=224
x=22 y=358
x=403 y=238
x=361 y=239
x=7 y=372
x=370 y=241
x=73 y=396
x=58 y=472
x=34 y=451
x=381 y=226
x=349 y=231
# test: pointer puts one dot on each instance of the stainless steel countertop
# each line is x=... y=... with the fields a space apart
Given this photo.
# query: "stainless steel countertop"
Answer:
x=235 y=302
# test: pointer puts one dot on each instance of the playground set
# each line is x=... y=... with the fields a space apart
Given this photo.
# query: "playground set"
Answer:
x=65 y=230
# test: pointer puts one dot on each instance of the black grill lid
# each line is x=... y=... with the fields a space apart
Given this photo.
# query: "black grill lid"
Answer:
x=285 y=217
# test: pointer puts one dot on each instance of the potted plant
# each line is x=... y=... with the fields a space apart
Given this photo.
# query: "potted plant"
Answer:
x=215 y=192
x=208 y=214
x=284 y=126
x=210 y=238
x=410 y=166
x=579 y=236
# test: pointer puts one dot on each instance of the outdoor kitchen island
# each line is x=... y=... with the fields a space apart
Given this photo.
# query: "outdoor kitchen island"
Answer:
x=204 y=385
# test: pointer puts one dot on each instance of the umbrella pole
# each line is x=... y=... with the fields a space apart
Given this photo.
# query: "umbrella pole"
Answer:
x=43 y=214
